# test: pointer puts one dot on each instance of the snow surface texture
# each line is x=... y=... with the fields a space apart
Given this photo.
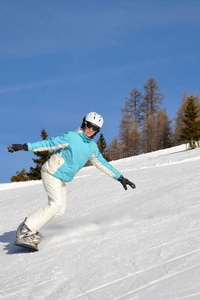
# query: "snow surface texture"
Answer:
x=111 y=243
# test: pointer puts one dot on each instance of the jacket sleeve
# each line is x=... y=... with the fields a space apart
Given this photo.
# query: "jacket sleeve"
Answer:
x=101 y=163
x=58 y=142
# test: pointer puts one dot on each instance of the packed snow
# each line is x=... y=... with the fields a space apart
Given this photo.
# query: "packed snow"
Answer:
x=111 y=243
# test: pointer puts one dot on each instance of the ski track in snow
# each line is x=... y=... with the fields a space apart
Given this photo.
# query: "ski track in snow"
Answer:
x=165 y=277
x=110 y=244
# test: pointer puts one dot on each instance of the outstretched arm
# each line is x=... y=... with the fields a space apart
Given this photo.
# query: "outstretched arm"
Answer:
x=51 y=144
x=101 y=163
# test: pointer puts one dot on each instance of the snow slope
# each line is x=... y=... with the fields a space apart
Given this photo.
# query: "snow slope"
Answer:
x=111 y=243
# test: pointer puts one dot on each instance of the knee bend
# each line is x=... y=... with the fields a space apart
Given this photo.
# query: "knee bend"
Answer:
x=61 y=211
x=55 y=207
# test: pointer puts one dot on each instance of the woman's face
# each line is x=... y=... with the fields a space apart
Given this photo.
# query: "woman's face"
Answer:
x=88 y=132
x=90 y=129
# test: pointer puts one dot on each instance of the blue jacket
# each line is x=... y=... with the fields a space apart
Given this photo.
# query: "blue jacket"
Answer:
x=73 y=150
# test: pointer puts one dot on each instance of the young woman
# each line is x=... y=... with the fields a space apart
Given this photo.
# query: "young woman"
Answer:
x=73 y=150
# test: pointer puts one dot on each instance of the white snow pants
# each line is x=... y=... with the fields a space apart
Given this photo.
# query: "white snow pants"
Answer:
x=56 y=206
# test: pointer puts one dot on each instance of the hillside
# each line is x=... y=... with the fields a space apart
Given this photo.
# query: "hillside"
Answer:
x=110 y=244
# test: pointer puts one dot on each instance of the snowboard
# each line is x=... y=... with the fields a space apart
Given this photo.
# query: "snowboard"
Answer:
x=26 y=244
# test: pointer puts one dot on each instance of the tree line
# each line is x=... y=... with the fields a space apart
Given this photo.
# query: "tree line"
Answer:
x=145 y=126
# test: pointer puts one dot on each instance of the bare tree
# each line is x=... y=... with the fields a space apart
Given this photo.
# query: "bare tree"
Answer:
x=150 y=107
x=164 y=136
x=129 y=125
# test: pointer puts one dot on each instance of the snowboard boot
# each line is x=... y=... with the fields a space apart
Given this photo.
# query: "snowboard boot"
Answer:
x=24 y=234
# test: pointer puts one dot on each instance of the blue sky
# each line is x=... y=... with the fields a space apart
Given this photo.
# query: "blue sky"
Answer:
x=63 y=58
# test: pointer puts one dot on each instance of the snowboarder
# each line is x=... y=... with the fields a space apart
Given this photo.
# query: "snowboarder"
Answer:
x=73 y=150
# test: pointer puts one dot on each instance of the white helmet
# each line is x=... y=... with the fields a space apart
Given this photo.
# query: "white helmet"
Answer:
x=94 y=119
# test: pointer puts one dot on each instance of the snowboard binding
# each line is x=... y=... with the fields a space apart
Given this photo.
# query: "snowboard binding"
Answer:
x=27 y=238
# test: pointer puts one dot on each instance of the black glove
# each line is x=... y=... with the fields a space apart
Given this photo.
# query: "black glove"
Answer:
x=125 y=181
x=17 y=147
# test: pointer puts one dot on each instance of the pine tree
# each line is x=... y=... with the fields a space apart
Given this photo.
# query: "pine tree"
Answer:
x=35 y=173
x=190 y=131
x=179 y=124
x=102 y=145
x=21 y=176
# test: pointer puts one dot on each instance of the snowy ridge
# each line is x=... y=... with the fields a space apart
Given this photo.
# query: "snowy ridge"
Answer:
x=111 y=243
x=18 y=185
